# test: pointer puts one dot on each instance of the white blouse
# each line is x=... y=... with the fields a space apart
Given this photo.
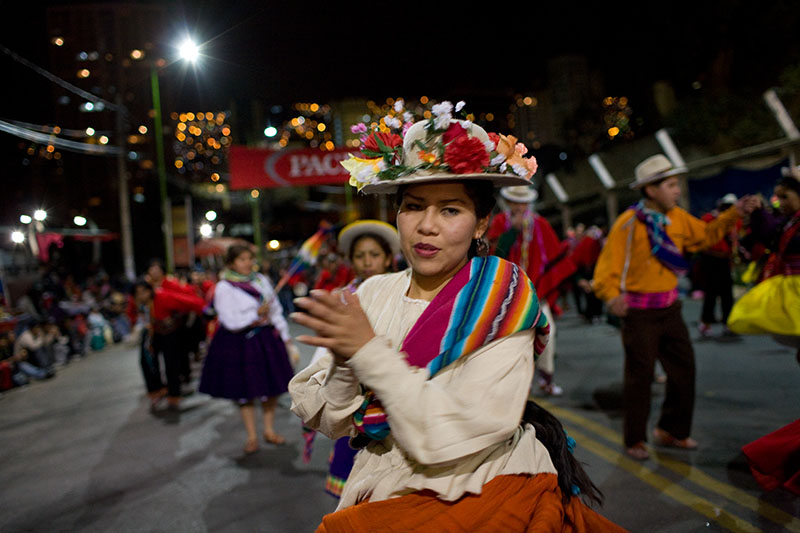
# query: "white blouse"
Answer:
x=451 y=434
x=236 y=309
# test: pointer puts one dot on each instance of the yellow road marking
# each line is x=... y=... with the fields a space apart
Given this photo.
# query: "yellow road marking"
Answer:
x=666 y=486
x=688 y=472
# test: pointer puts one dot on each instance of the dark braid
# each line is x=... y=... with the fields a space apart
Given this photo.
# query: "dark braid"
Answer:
x=571 y=474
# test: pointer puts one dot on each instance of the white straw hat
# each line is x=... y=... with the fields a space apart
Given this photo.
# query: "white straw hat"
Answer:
x=438 y=149
x=354 y=230
x=521 y=194
x=654 y=168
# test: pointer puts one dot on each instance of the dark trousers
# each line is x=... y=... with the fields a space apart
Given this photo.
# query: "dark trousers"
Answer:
x=172 y=347
x=718 y=284
x=649 y=335
x=151 y=367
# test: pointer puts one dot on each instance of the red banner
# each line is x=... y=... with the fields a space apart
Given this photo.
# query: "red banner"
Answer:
x=261 y=169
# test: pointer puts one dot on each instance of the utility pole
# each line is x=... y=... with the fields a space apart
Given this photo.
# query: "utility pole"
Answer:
x=166 y=205
x=126 y=232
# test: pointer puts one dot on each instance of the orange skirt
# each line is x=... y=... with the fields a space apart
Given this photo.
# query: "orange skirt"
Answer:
x=510 y=503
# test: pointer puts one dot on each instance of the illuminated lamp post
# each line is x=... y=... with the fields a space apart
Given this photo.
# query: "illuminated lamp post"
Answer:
x=189 y=51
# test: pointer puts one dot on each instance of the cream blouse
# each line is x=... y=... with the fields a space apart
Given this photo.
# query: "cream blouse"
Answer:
x=451 y=434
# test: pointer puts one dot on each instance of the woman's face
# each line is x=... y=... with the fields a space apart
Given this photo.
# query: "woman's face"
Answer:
x=243 y=264
x=368 y=258
x=437 y=223
x=788 y=199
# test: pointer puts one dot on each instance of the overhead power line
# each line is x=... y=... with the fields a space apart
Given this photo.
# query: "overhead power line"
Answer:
x=63 y=83
x=55 y=130
x=74 y=146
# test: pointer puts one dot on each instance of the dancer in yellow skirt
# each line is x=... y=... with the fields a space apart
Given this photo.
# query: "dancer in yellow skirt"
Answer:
x=772 y=307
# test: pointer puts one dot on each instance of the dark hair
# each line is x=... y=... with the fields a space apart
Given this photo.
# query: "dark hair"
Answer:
x=234 y=251
x=790 y=183
x=142 y=284
x=656 y=183
x=572 y=478
x=156 y=262
x=374 y=236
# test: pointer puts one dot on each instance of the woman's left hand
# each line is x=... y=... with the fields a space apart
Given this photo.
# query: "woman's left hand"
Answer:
x=337 y=319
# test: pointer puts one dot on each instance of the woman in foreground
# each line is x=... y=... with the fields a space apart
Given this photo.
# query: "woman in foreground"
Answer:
x=429 y=369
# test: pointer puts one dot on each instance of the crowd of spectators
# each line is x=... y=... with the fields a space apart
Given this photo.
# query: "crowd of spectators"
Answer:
x=60 y=319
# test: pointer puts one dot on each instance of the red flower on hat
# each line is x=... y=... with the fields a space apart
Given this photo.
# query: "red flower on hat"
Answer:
x=373 y=142
x=495 y=138
x=455 y=131
x=466 y=155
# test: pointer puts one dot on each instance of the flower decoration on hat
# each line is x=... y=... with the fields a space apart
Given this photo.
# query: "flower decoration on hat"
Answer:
x=440 y=146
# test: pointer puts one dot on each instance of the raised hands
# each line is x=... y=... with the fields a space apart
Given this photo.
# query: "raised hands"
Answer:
x=747 y=204
x=337 y=319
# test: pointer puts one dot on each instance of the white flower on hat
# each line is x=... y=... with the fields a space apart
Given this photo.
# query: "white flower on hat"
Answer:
x=460 y=105
x=392 y=122
x=442 y=115
x=497 y=160
x=520 y=170
x=445 y=108
x=408 y=116
x=442 y=122
x=398 y=105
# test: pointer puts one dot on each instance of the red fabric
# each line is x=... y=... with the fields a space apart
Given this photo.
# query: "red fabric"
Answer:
x=5 y=376
x=170 y=299
x=131 y=309
x=725 y=247
x=547 y=273
x=511 y=503
x=775 y=458
x=333 y=280
x=586 y=252
x=552 y=246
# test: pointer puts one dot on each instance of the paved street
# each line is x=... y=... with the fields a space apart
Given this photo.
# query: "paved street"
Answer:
x=82 y=452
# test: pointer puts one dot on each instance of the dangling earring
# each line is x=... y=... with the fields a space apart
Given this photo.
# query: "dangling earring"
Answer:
x=482 y=247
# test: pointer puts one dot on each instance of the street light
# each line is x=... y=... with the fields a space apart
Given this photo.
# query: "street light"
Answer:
x=206 y=230
x=211 y=216
x=40 y=215
x=17 y=237
x=25 y=219
x=188 y=50
x=79 y=220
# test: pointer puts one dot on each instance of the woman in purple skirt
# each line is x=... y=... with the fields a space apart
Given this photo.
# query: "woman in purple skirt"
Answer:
x=248 y=358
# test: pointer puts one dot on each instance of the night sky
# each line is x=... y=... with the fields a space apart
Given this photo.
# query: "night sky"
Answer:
x=303 y=51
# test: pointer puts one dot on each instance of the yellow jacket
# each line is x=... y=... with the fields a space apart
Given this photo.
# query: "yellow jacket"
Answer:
x=644 y=273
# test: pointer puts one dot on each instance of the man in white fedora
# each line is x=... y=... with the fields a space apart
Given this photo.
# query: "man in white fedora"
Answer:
x=637 y=276
x=523 y=237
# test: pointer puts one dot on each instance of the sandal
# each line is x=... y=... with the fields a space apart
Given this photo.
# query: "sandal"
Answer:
x=251 y=446
x=663 y=438
x=638 y=451
x=274 y=438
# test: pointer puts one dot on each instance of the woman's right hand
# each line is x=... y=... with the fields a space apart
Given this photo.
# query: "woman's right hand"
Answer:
x=263 y=310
